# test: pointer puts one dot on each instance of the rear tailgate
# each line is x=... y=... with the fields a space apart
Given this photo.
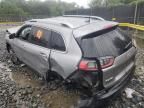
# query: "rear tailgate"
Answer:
x=110 y=42
x=123 y=65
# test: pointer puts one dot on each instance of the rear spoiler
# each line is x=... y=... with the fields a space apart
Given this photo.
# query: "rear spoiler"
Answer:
x=93 y=28
x=105 y=30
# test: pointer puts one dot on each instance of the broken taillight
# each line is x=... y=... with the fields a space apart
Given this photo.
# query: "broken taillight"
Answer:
x=90 y=65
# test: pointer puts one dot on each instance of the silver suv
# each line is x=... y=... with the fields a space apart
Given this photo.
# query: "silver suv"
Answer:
x=89 y=52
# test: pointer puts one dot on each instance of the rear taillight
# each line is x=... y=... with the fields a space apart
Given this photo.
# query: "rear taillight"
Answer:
x=89 y=65
x=106 y=62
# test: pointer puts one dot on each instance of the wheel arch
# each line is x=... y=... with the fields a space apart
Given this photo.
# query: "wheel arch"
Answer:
x=53 y=74
x=8 y=47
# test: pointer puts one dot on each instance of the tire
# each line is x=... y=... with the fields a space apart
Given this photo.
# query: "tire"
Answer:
x=13 y=57
x=53 y=80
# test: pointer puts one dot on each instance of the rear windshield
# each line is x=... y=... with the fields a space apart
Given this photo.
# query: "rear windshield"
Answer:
x=112 y=42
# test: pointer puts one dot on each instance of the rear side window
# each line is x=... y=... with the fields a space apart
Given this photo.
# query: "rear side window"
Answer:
x=105 y=43
x=57 y=42
x=40 y=37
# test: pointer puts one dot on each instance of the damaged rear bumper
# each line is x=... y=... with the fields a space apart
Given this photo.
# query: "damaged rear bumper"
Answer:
x=104 y=94
x=118 y=87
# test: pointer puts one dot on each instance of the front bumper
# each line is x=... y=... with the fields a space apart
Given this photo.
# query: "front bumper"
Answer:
x=93 y=101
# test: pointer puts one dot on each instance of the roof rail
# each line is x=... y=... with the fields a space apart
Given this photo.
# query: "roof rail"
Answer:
x=85 y=16
x=50 y=21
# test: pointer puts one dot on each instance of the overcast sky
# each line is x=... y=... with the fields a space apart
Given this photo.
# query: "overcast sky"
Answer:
x=83 y=3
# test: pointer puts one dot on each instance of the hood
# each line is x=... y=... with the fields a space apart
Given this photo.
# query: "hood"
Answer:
x=13 y=30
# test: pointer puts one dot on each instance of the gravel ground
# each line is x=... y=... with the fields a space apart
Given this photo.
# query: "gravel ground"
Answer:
x=20 y=87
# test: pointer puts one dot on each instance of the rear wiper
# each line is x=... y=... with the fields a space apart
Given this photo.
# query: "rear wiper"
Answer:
x=127 y=45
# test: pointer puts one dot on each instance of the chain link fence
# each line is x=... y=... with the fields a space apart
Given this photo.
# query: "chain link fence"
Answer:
x=19 y=18
x=129 y=14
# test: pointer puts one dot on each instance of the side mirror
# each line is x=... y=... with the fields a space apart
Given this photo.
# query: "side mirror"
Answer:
x=12 y=36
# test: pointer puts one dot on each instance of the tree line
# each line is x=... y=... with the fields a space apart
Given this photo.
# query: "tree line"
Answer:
x=35 y=7
x=53 y=7
x=110 y=3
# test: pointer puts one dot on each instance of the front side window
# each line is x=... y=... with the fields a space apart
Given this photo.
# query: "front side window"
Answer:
x=57 y=42
x=40 y=37
x=24 y=33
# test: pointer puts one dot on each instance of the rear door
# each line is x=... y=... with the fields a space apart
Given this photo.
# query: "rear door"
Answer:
x=37 y=50
x=58 y=54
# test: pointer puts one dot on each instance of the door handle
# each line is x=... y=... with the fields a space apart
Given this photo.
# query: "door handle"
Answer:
x=43 y=55
x=24 y=46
